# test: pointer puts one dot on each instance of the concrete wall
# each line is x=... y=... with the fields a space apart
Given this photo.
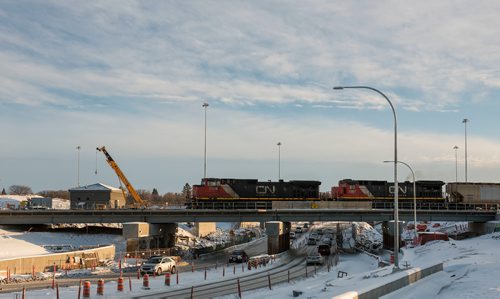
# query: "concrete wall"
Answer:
x=45 y=262
x=204 y=228
x=404 y=279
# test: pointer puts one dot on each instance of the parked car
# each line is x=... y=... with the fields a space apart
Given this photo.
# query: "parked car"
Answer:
x=238 y=256
x=313 y=236
x=319 y=231
x=315 y=259
x=311 y=241
x=298 y=230
x=292 y=235
x=324 y=250
x=158 y=265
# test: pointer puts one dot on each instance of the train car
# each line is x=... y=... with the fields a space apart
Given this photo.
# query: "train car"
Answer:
x=473 y=193
x=250 y=193
x=428 y=193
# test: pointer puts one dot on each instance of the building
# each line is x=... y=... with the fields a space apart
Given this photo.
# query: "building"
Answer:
x=48 y=203
x=96 y=196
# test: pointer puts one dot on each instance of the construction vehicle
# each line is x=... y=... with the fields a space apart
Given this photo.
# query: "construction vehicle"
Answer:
x=122 y=177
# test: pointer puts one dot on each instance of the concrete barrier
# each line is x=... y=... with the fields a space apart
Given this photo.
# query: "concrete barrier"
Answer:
x=402 y=279
x=43 y=263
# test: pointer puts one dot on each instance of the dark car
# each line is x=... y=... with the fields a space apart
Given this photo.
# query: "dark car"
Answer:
x=238 y=256
x=324 y=250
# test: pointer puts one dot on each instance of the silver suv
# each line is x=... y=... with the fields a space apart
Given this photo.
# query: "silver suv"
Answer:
x=158 y=265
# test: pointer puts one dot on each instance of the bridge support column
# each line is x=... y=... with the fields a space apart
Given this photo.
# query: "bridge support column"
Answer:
x=278 y=236
x=388 y=234
x=143 y=235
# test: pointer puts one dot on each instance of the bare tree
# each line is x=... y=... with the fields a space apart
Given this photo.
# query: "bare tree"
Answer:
x=186 y=192
x=20 y=190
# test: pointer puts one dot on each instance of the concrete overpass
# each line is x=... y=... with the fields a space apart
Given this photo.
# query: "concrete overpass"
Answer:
x=285 y=215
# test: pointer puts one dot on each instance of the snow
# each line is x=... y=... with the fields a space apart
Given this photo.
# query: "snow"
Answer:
x=471 y=270
x=25 y=243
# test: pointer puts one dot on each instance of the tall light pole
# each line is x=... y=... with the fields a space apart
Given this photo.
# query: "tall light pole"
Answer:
x=465 y=121
x=396 y=189
x=456 y=163
x=78 y=165
x=205 y=105
x=279 y=160
x=414 y=198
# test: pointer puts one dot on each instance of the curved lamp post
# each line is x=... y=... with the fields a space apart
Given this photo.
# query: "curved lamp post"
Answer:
x=414 y=198
x=396 y=189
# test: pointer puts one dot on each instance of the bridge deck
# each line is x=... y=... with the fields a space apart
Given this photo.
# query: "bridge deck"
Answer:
x=182 y=215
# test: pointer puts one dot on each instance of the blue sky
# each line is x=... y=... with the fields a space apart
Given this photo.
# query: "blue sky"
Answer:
x=132 y=75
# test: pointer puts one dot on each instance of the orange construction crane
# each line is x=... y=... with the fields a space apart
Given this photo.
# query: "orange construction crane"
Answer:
x=121 y=176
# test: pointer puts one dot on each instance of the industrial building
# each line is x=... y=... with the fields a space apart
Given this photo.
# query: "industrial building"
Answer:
x=97 y=196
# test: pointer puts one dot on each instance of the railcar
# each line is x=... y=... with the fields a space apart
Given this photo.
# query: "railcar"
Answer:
x=474 y=194
x=428 y=193
x=250 y=193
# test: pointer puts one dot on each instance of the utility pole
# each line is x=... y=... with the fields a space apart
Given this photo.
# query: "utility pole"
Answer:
x=465 y=121
x=78 y=165
x=205 y=105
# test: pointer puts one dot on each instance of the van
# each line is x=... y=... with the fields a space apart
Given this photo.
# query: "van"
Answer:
x=324 y=250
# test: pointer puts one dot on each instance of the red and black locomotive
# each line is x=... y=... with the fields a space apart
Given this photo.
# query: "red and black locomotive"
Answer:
x=250 y=193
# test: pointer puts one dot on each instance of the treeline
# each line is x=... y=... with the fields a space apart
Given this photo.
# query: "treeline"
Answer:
x=169 y=198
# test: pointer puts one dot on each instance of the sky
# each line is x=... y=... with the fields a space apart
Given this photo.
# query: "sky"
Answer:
x=133 y=75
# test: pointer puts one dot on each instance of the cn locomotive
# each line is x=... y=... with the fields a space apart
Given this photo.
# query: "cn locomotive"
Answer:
x=250 y=193
x=381 y=193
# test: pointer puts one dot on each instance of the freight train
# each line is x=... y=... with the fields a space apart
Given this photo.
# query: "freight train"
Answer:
x=215 y=193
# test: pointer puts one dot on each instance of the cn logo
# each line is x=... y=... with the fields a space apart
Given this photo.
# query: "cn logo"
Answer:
x=402 y=190
x=261 y=190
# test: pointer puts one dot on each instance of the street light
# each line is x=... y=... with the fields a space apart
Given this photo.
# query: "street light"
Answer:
x=465 y=121
x=78 y=165
x=456 y=164
x=414 y=199
x=205 y=105
x=396 y=204
x=279 y=160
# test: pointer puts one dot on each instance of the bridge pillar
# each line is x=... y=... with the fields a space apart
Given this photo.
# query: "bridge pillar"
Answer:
x=278 y=236
x=388 y=234
x=143 y=235
x=166 y=234
x=204 y=228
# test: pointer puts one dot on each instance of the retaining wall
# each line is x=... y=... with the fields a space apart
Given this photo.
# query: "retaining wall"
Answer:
x=409 y=277
x=42 y=263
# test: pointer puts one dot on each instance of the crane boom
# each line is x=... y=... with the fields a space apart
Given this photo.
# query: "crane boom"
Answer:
x=121 y=176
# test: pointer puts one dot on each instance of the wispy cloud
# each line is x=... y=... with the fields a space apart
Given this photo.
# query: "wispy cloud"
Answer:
x=148 y=66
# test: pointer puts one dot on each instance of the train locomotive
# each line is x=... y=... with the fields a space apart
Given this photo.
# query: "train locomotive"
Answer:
x=250 y=193
x=381 y=193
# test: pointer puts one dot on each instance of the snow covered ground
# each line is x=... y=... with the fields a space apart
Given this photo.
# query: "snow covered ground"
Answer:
x=24 y=243
x=471 y=270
